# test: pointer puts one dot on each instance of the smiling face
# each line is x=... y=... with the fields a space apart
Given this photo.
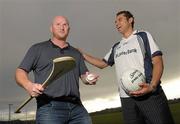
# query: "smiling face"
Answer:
x=60 y=28
x=123 y=24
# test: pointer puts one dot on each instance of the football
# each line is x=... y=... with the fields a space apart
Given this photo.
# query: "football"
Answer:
x=131 y=79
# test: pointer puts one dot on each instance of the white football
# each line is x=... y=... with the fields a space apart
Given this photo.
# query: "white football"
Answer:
x=131 y=80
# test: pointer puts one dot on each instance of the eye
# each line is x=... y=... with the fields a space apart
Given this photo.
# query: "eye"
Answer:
x=58 y=24
x=119 y=19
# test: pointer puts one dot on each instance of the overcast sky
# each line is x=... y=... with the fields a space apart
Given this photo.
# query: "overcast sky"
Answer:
x=25 y=22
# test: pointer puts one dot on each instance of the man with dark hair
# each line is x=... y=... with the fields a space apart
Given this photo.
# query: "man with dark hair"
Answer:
x=148 y=105
x=60 y=102
x=128 y=15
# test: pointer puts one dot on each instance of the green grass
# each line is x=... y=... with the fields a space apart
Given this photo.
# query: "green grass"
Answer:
x=115 y=116
x=175 y=109
x=107 y=118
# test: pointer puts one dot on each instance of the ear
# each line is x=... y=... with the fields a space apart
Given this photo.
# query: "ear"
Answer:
x=69 y=29
x=130 y=20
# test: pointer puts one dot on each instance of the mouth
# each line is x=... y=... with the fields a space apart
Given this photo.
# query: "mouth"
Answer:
x=118 y=28
x=61 y=32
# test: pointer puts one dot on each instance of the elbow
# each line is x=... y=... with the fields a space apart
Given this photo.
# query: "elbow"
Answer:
x=17 y=75
x=162 y=66
x=102 y=66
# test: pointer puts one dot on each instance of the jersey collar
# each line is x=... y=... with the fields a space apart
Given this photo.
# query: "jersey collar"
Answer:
x=67 y=47
x=134 y=32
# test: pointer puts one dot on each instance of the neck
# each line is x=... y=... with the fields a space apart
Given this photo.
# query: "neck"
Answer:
x=59 y=42
x=127 y=33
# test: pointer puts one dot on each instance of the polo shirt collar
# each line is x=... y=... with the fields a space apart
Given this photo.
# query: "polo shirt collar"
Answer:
x=53 y=45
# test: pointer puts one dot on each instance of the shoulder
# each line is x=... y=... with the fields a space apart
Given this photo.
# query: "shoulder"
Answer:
x=41 y=44
x=116 y=44
x=143 y=32
x=74 y=50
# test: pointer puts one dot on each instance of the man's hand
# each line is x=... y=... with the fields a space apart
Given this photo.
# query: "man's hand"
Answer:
x=34 y=89
x=145 y=89
x=90 y=78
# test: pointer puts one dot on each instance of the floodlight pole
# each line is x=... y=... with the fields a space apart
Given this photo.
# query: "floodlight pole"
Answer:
x=10 y=111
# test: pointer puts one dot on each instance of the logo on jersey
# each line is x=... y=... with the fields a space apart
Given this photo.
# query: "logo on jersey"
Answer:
x=125 y=52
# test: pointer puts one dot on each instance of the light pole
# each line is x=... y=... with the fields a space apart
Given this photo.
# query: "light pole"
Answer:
x=10 y=111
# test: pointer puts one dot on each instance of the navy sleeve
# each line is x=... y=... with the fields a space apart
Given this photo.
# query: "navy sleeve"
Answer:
x=109 y=58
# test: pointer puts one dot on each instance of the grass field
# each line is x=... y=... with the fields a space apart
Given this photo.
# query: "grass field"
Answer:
x=115 y=117
x=112 y=116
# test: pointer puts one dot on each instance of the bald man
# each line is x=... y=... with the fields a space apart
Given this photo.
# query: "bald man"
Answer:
x=60 y=102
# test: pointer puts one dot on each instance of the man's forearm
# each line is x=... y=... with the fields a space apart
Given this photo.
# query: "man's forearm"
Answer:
x=157 y=71
x=95 y=61
x=22 y=78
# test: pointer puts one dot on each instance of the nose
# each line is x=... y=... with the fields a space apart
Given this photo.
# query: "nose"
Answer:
x=61 y=27
x=117 y=25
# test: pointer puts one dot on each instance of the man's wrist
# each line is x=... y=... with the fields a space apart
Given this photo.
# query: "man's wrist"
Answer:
x=153 y=87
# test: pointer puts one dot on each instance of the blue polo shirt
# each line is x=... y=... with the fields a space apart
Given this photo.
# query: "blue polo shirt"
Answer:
x=39 y=60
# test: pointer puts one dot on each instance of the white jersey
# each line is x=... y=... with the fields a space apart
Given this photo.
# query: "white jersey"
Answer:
x=130 y=53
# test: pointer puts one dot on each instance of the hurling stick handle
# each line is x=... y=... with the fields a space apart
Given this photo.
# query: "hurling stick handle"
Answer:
x=27 y=100
x=30 y=97
x=22 y=105
x=47 y=82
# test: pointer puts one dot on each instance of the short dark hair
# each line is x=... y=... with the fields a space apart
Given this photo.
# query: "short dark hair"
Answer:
x=127 y=14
